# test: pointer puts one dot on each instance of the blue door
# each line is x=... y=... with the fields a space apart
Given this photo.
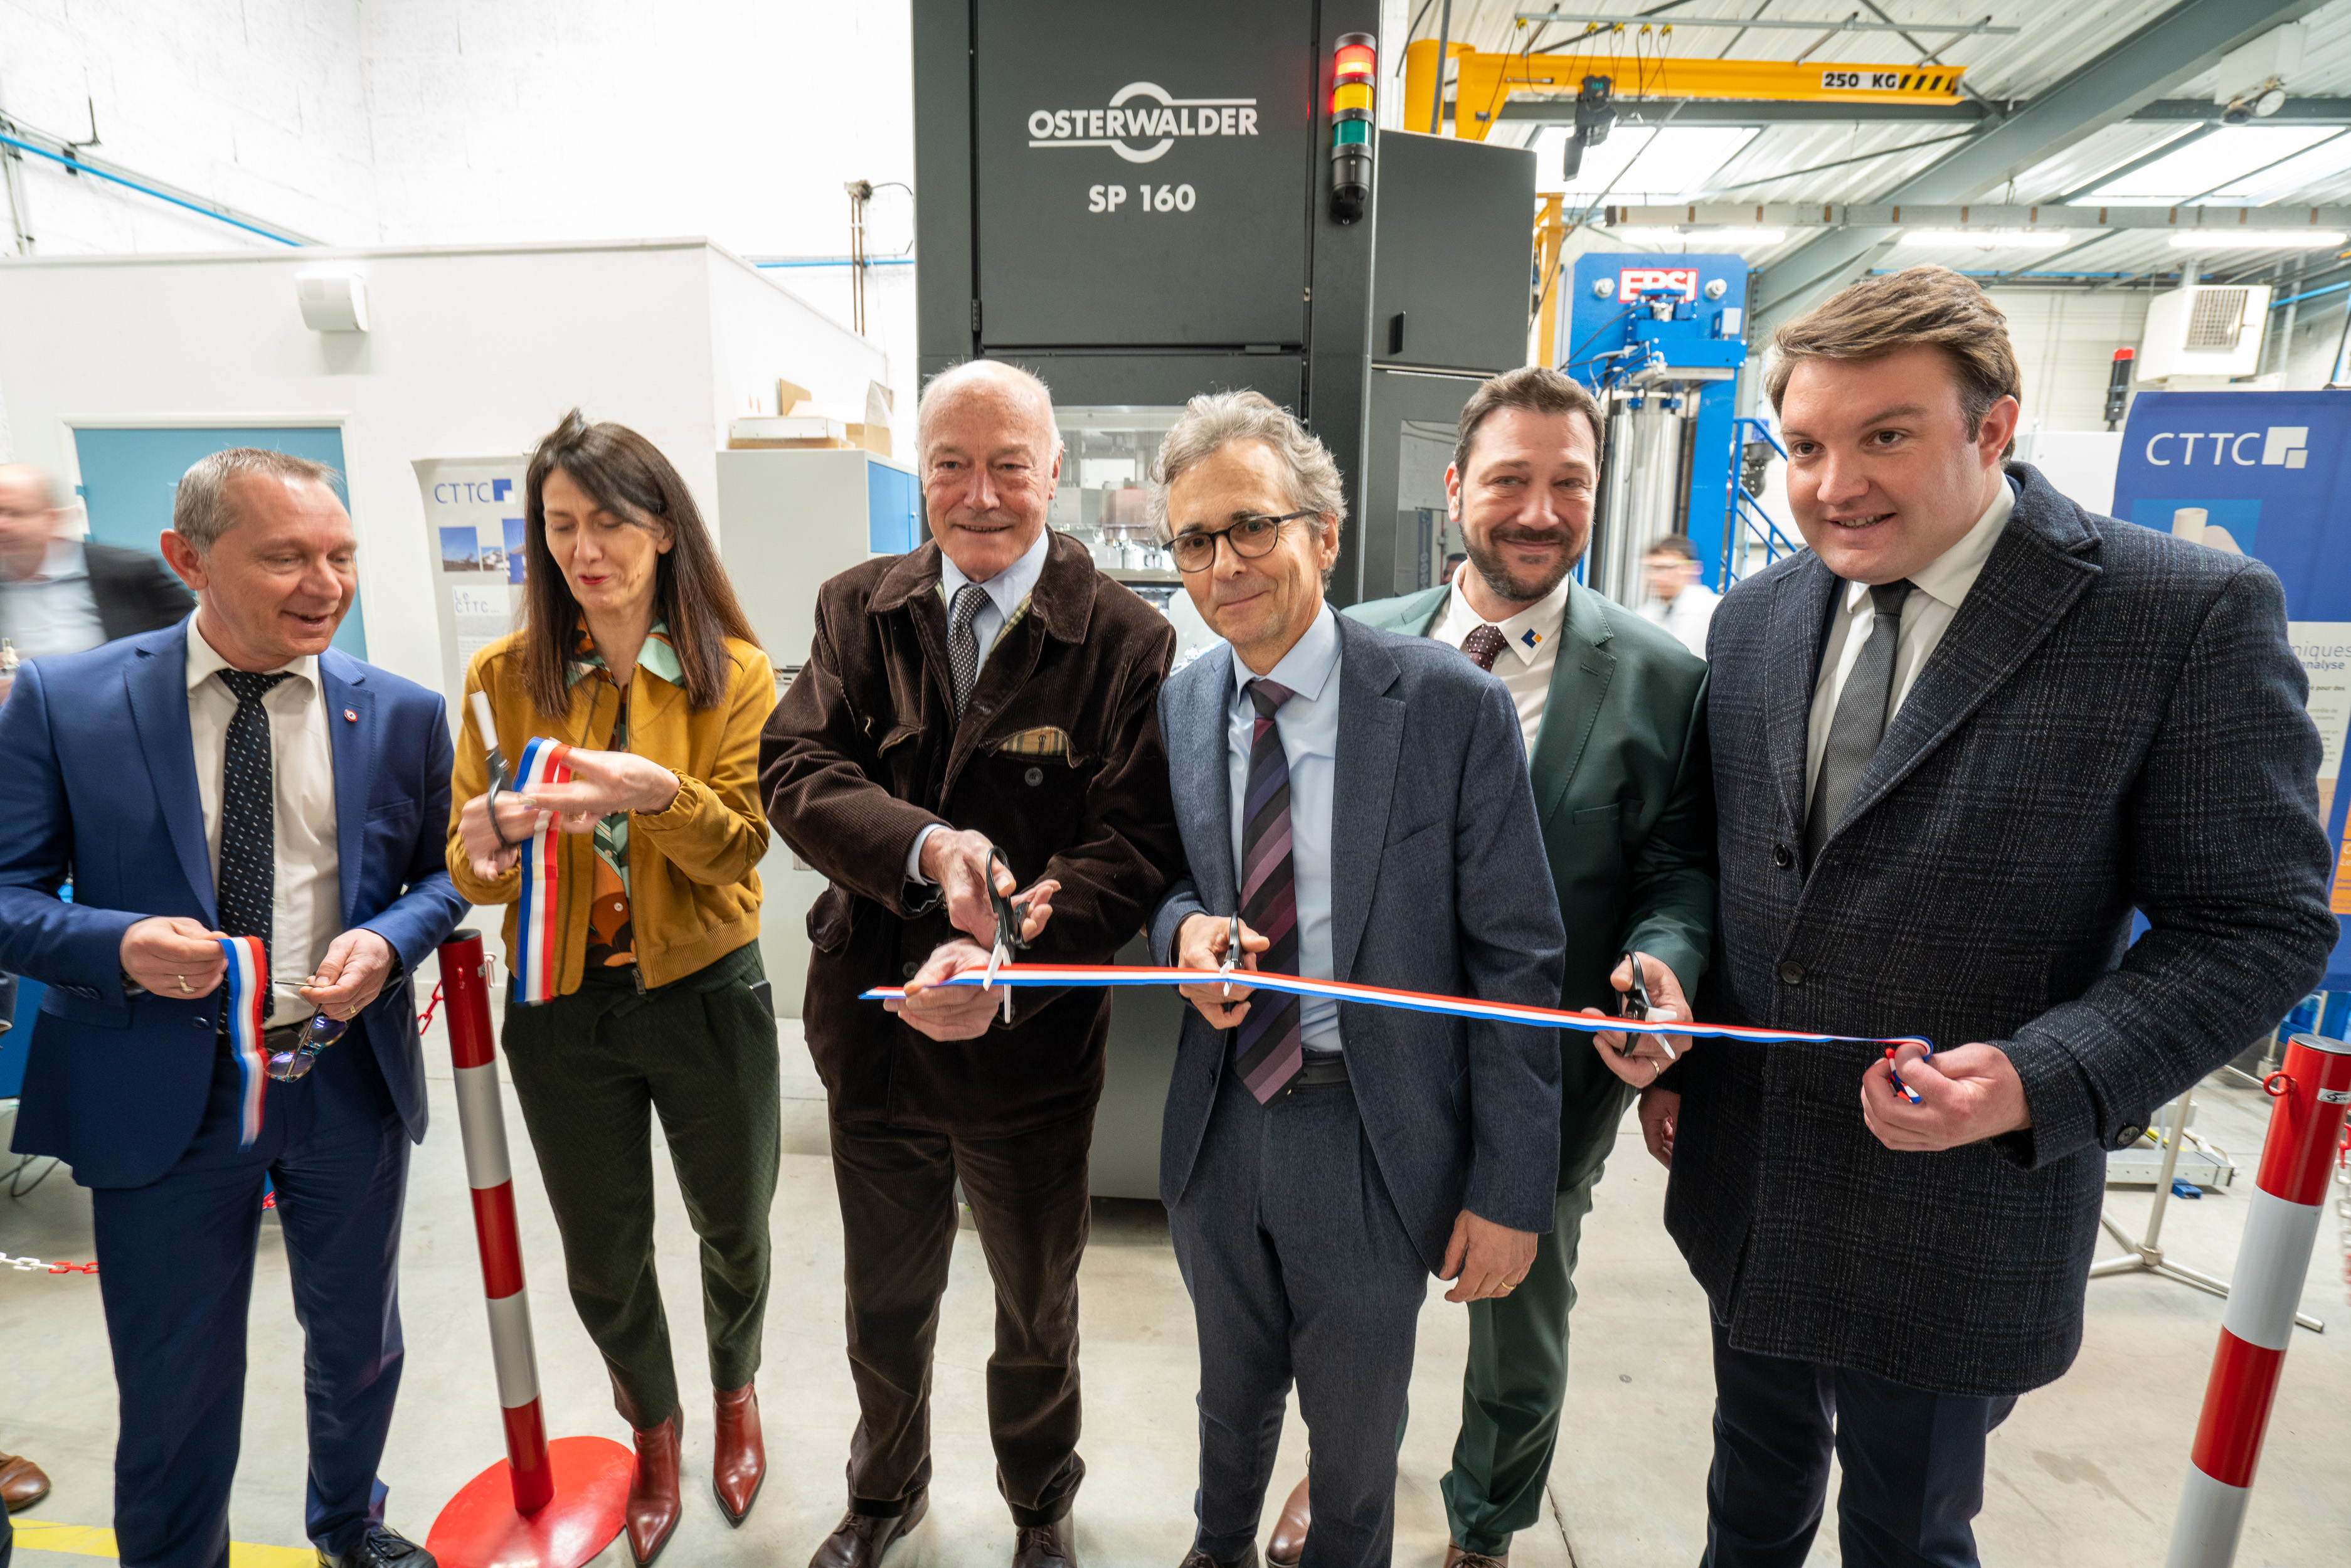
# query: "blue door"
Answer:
x=128 y=477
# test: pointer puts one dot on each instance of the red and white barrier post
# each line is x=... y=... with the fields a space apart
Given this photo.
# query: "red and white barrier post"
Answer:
x=544 y=1506
x=2311 y=1089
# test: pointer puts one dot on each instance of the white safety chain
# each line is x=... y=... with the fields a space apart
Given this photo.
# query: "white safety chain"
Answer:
x=36 y=1266
x=2342 y=1207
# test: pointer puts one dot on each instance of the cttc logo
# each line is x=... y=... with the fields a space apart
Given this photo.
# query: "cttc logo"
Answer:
x=1163 y=117
x=2283 y=446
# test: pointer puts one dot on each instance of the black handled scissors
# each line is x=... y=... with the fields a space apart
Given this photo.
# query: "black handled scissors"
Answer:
x=1008 y=918
x=1635 y=1004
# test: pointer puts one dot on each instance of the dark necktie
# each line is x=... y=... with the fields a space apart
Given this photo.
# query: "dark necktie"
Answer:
x=1269 y=1048
x=1484 y=646
x=962 y=641
x=1860 y=721
x=248 y=859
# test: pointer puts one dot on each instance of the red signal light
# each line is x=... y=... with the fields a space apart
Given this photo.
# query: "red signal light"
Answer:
x=1357 y=61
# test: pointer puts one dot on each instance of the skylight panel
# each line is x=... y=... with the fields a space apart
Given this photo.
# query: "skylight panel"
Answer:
x=1637 y=162
x=2222 y=167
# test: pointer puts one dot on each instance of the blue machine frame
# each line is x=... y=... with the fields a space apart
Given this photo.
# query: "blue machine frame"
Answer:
x=1671 y=325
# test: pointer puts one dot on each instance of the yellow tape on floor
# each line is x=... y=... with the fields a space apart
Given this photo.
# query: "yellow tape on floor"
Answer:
x=88 y=1540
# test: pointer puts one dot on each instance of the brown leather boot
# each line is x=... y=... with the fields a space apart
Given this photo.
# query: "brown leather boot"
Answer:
x=741 y=1461
x=1289 y=1542
x=1456 y=1556
x=654 y=1507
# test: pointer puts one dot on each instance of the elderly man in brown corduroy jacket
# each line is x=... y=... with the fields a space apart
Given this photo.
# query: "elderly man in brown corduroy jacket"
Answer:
x=989 y=691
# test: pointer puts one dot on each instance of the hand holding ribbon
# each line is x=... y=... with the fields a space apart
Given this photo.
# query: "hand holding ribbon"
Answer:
x=932 y=1007
x=1964 y=1095
x=603 y=783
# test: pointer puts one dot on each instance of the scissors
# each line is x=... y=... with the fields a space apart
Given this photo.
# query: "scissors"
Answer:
x=1635 y=1005
x=499 y=783
x=1232 y=952
x=1009 y=916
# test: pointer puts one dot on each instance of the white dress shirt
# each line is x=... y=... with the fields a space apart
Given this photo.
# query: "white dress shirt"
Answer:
x=1530 y=646
x=306 y=908
x=1007 y=591
x=1936 y=589
x=1308 y=724
x=1686 y=614
x=54 y=611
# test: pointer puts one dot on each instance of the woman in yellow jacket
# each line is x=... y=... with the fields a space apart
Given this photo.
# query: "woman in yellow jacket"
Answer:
x=634 y=652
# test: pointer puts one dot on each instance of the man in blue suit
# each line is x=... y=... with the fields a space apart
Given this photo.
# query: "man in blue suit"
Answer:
x=232 y=776
x=1361 y=800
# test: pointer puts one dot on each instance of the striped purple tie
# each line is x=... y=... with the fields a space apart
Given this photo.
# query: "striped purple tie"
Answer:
x=1268 y=1049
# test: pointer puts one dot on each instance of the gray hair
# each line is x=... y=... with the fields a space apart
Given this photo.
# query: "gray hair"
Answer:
x=983 y=375
x=201 y=511
x=1213 y=421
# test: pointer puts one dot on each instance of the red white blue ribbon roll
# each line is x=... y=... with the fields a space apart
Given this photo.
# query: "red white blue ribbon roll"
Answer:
x=537 y=937
x=1080 y=975
x=245 y=989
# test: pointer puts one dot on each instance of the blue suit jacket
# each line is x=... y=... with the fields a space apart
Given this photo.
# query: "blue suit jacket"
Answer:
x=1438 y=883
x=99 y=775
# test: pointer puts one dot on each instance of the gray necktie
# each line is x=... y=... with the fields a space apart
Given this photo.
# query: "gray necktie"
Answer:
x=1860 y=721
x=963 y=643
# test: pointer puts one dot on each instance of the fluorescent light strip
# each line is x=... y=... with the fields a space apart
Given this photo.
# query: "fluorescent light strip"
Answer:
x=2257 y=239
x=1987 y=239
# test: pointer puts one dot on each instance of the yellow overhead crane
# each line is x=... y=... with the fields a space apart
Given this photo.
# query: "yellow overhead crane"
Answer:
x=1639 y=65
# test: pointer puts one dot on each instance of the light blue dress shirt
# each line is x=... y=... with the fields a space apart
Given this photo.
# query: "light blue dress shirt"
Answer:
x=1005 y=591
x=1309 y=726
x=53 y=612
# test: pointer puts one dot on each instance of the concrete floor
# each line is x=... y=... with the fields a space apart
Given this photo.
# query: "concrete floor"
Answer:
x=2087 y=1473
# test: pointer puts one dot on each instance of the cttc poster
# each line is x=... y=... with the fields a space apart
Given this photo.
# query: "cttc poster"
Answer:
x=474 y=527
x=2263 y=474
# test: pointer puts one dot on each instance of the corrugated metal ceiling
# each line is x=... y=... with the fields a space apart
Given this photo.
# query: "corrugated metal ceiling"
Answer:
x=1781 y=163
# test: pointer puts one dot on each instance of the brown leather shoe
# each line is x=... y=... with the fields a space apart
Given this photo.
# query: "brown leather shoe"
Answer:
x=1196 y=1558
x=1289 y=1542
x=653 y=1506
x=861 y=1539
x=22 y=1484
x=1455 y=1557
x=741 y=1461
x=1044 y=1545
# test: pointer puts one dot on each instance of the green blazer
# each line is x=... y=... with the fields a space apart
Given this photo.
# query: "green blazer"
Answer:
x=1624 y=785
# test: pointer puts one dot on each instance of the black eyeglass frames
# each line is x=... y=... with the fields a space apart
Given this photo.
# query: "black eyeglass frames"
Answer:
x=1251 y=537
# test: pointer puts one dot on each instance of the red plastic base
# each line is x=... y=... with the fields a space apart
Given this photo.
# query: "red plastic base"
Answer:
x=480 y=1527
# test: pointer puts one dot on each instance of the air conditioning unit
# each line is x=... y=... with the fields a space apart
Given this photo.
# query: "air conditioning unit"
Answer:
x=2202 y=330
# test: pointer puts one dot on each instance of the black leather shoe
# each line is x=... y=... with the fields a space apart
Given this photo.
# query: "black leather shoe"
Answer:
x=384 y=1548
x=859 y=1540
x=1044 y=1545
x=1196 y=1558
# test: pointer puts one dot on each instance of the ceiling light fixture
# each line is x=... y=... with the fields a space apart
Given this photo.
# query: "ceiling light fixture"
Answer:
x=2257 y=239
x=1987 y=239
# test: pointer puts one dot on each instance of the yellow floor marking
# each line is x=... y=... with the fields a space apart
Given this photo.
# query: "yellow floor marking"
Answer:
x=88 y=1540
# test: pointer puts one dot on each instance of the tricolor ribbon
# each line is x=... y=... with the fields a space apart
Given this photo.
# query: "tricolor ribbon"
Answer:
x=246 y=992
x=1117 y=975
x=536 y=938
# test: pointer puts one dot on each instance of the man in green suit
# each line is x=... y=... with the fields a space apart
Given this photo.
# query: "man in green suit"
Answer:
x=1613 y=710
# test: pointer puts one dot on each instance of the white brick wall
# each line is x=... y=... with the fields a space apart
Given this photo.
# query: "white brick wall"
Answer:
x=446 y=121
x=2065 y=345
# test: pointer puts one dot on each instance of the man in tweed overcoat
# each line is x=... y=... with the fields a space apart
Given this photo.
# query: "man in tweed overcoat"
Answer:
x=1956 y=745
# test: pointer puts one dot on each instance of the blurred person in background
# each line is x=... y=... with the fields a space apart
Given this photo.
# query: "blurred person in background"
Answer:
x=1677 y=600
x=634 y=651
x=62 y=594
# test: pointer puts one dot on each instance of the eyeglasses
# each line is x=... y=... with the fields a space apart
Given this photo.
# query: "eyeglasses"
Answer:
x=320 y=1032
x=1251 y=537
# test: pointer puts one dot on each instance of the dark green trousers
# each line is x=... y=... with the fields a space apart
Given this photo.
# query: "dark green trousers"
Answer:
x=700 y=1052
x=1513 y=1390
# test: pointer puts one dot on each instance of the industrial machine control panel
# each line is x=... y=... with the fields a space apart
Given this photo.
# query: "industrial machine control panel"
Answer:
x=1141 y=178
x=1660 y=338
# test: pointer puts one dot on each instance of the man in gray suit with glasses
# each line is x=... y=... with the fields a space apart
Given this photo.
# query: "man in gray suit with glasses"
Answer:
x=1360 y=800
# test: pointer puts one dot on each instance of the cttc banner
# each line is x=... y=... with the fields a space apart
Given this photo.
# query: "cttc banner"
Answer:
x=474 y=527
x=2263 y=474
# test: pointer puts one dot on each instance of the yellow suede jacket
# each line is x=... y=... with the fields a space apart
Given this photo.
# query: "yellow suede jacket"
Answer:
x=693 y=885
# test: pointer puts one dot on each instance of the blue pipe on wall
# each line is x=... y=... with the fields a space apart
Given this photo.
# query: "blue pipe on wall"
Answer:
x=840 y=261
x=81 y=168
